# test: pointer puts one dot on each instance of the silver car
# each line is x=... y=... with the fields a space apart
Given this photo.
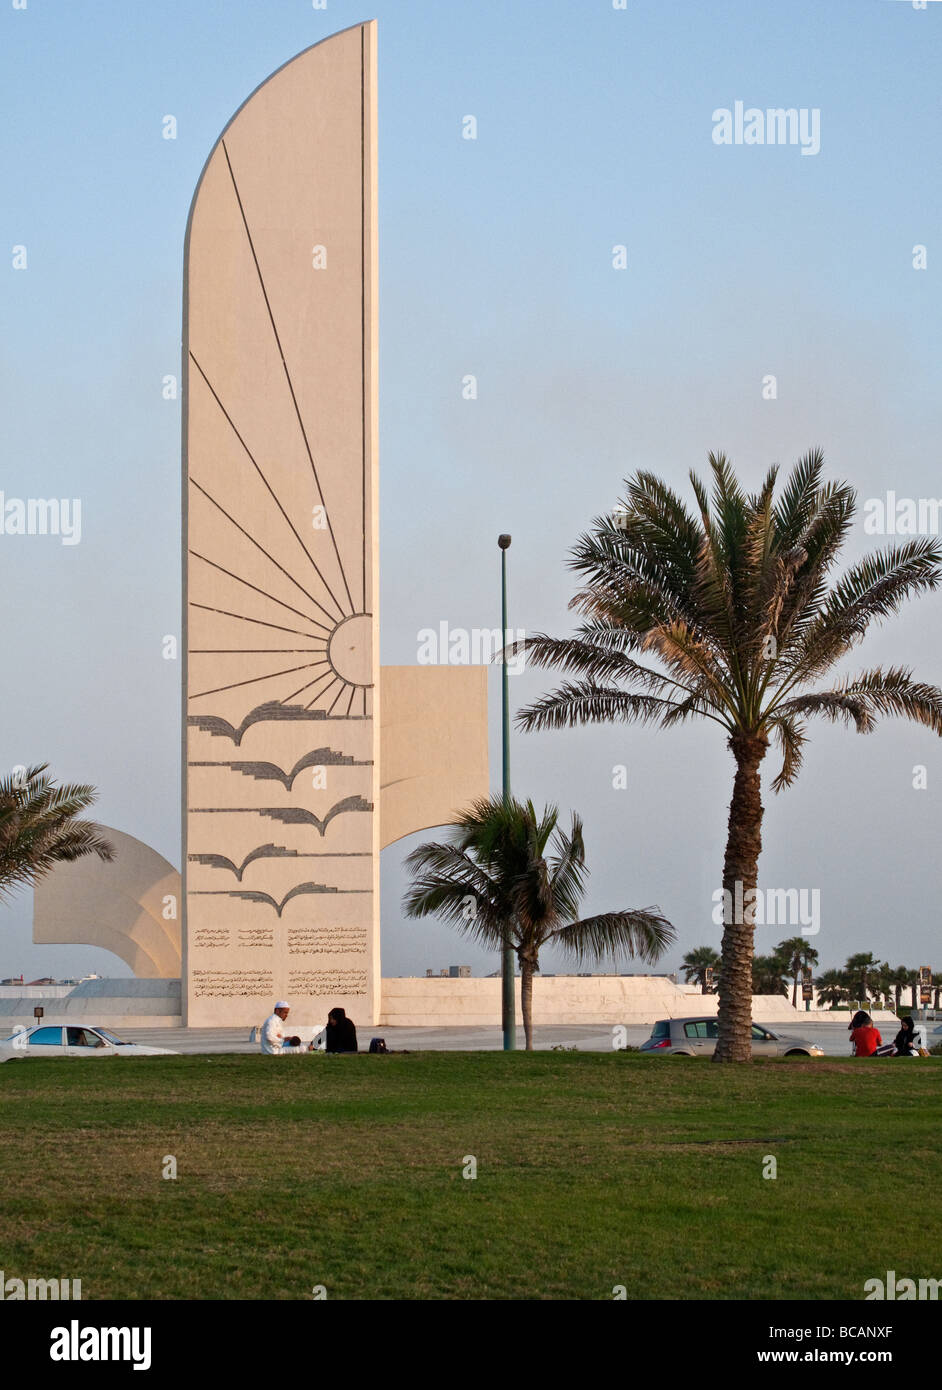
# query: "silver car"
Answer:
x=696 y=1037
x=59 y=1040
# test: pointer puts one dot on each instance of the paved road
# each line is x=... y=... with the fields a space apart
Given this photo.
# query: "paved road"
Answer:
x=832 y=1037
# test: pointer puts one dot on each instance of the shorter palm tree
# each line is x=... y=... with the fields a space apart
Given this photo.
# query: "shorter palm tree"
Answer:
x=39 y=827
x=913 y=983
x=832 y=987
x=798 y=953
x=863 y=974
x=768 y=975
x=695 y=965
x=493 y=881
x=898 y=980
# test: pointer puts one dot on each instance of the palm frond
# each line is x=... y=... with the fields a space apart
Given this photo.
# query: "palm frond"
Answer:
x=790 y=736
x=861 y=698
x=643 y=933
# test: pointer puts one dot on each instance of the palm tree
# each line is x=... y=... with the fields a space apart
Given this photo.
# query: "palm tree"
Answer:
x=881 y=982
x=697 y=962
x=493 y=881
x=863 y=975
x=768 y=975
x=733 y=602
x=831 y=987
x=912 y=983
x=898 y=980
x=39 y=827
x=798 y=953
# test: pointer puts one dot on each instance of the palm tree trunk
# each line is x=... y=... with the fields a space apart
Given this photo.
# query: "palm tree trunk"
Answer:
x=740 y=875
x=794 y=992
x=526 y=1000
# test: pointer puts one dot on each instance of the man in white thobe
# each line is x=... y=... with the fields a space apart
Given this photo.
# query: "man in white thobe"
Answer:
x=273 y=1029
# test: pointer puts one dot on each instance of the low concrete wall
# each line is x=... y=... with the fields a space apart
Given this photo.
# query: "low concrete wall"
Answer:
x=37 y=992
x=437 y=1002
x=110 y=1003
x=564 y=999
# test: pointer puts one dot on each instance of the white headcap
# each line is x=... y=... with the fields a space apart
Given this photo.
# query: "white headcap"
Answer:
x=282 y=1004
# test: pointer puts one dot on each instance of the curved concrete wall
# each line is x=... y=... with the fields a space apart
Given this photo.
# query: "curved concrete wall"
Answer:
x=120 y=906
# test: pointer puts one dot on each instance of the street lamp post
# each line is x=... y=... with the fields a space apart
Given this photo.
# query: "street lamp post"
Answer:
x=507 y=964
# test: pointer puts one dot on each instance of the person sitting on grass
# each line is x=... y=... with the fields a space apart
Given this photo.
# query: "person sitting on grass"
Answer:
x=905 y=1040
x=274 y=1039
x=864 y=1038
x=341 y=1032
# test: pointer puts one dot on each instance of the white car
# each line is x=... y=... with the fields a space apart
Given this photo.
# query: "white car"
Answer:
x=66 y=1040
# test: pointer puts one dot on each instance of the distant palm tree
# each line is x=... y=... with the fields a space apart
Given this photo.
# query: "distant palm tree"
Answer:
x=493 y=881
x=697 y=962
x=898 y=980
x=863 y=975
x=768 y=975
x=881 y=983
x=797 y=952
x=39 y=827
x=733 y=600
x=832 y=988
x=913 y=983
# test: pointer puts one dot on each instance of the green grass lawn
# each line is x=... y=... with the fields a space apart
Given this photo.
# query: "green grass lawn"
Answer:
x=592 y=1171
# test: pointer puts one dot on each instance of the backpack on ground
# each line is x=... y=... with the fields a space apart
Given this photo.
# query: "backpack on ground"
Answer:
x=378 y=1045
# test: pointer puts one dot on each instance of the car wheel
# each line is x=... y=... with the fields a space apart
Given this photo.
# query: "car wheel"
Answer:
x=797 y=1052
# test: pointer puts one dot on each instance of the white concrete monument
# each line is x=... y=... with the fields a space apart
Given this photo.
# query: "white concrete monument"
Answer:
x=283 y=698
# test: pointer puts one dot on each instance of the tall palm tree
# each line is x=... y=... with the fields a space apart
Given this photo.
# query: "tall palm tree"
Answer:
x=832 y=988
x=697 y=962
x=863 y=975
x=898 y=980
x=40 y=827
x=494 y=881
x=881 y=982
x=913 y=983
x=798 y=953
x=733 y=601
x=768 y=975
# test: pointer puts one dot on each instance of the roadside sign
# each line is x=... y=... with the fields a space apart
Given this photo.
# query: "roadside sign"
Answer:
x=38 y=1012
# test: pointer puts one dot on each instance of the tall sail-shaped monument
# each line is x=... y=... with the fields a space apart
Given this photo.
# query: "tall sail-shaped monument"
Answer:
x=281 y=724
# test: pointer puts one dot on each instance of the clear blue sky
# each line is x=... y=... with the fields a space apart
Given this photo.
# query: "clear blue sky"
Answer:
x=496 y=259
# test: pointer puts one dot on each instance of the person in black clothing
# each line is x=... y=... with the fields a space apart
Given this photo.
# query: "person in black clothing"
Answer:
x=905 y=1040
x=341 y=1032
